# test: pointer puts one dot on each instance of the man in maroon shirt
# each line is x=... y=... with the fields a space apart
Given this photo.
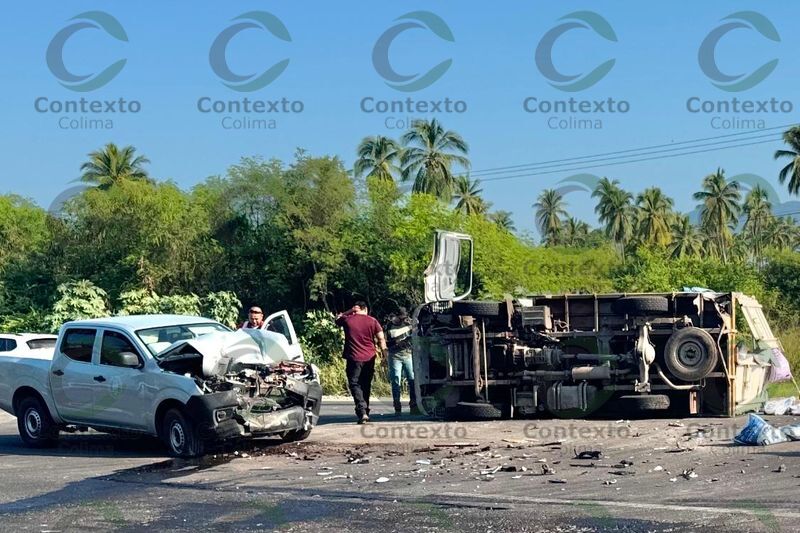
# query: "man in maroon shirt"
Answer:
x=360 y=334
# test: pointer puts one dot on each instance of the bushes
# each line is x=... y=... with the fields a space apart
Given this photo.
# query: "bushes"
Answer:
x=77 y=300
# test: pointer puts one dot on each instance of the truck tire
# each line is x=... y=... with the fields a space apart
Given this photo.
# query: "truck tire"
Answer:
x=36 y=427
x=477 y=411
x=641 y=305
x=636 y=403
x=296 y=435
x=690 y=354
x=477 y=309
x=180 y=435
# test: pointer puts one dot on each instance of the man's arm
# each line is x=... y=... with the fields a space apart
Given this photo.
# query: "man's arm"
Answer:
x=341 y=318
x=382 y=342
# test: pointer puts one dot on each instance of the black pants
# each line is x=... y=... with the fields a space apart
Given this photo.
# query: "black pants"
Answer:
x=359 y=380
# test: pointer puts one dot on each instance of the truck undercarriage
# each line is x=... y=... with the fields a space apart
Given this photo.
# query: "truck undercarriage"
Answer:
x=573 y=355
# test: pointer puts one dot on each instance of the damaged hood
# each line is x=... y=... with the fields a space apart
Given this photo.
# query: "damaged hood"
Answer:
x=224 y=351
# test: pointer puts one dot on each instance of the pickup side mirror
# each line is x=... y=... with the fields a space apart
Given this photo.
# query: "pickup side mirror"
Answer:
x=129 y=360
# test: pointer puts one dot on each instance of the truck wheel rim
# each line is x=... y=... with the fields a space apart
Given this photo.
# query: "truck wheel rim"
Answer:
x=691 y=354
x=177 y=438
x=33 y=422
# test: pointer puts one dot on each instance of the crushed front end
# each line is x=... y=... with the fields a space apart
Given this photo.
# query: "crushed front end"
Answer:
x=265 y=400
x=249 y=385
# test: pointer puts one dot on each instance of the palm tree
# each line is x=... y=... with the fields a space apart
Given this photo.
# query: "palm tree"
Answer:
x=549 y=212
x=430 y=154
x=503 y=220
x=758 y=212
x=614 y=211
x=468 y=196
x=574 y=232
x=782 y=232
x=686 y=241
x=111 y=165
x=378 y=156
x=654 y=214
x=792 y=169
x=719 y=209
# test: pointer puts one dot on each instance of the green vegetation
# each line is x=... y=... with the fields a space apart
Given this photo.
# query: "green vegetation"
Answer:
x=310 y=237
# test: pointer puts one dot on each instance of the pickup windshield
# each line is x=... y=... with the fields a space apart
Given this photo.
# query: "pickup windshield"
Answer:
x=160 y=338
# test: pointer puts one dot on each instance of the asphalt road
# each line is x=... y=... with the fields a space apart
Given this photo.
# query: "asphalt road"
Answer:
x=410 y=474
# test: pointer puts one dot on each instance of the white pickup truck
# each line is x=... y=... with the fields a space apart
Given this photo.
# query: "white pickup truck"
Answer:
x=187 y=380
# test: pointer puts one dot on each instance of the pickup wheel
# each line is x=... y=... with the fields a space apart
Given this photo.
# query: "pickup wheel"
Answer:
x=36 y=428
x=180 y=435
x=296 y=435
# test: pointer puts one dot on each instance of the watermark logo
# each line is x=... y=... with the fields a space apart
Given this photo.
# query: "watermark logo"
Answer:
x=58 y=207
x=747 y=182
x=574 y=113
x=248 y=113
x=85 y=113
x=380 y=52
x=217 y=53
x=737 y=113
x=587 y=20
x=98 y=20
x=400 y=114
x=706 y=55
x=583 y=182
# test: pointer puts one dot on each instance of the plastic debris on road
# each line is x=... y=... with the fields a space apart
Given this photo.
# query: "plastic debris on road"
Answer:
x=758 y=432
x=782 y=406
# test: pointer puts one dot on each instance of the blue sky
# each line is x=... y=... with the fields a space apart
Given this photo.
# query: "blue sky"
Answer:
x=330 y=71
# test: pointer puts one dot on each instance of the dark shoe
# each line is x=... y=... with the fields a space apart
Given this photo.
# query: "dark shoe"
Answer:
x=364 y=419
x=415 y=410
x=398 y=412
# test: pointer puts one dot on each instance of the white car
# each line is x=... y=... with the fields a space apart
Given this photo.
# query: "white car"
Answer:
x=19 y=344
x=185 y=379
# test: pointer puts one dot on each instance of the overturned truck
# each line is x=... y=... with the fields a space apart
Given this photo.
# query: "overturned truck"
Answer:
x=572 y=355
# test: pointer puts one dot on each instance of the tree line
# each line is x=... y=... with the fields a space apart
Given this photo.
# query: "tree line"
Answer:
x=311 y=234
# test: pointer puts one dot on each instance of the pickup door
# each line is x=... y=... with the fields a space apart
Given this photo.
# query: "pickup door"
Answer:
x=91 y=386
x=124 y=395
x=72 y=375
x=281 y=323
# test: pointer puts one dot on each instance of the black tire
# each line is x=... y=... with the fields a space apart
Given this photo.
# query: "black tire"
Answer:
x=36 y=427
x=691 y=354
x=180 y=435
x=296 y=435
x=636 y=403
x=477 y=309
x=477 y=411
x=641 y=305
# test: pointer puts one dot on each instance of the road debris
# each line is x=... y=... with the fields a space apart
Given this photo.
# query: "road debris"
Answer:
x=588 y=454
x=758 y=431
x=382 y=480
x=689 y=474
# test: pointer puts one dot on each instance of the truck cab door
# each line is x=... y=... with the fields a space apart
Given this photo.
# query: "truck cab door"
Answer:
x=281 y=323
x=123 y=397
x=449 y=274
x=73 y=373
